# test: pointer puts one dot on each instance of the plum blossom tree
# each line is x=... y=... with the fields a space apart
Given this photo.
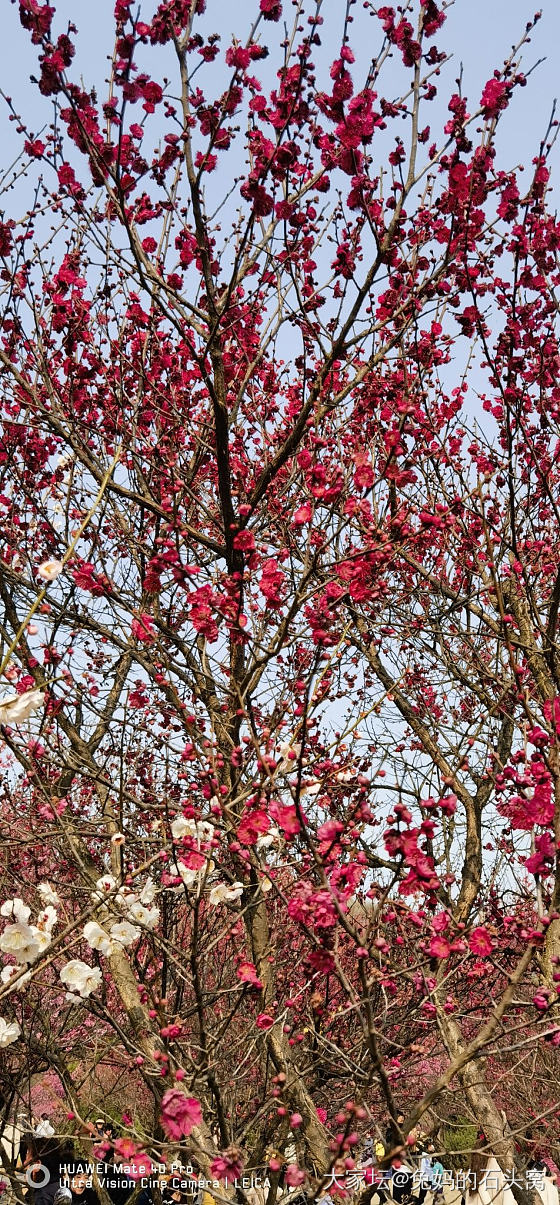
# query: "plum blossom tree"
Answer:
x=279 y=542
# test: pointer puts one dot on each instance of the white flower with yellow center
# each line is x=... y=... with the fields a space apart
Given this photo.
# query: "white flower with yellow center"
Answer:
x=80 y=978
x=9 y=973
x=97 y=938
x=47 y=918
x=50 y=570
x=124 y=933
x=9 y=1032
x=17 y=909
x=199 y=830
x=225 y=893
x=144 y=916
x=42 y=937
x=48 y=894
x=20 y=941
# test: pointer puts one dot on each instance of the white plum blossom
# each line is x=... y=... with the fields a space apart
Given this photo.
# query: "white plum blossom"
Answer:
x=126 y=897
x=311 y=786
x=264 y=840
x=17 y=909
x=148 y=892
x=97 y=938
x=10 y=972
x=105 y=885
x=200 y=830
x=50 y=570
x=124 y=933
x=48 y=894
x=42 y=937
x=266 y=884
x=80 y=978
x=289 y=756
x=225 y=893
x=144 y=916
x=15 y=708
x=9 y=1032
x=47 y=918
x=21 y=941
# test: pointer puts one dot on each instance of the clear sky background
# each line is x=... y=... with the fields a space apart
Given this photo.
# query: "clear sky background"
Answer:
x=479 y=32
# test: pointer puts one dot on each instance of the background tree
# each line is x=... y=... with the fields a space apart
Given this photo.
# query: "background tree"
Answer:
x=279 y=586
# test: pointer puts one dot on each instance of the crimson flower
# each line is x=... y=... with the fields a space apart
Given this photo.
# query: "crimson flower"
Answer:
x=179 y=1113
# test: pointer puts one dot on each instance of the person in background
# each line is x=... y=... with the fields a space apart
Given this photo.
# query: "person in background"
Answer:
x=424 y=1154
x=25 y=1144
x=77 y=1192
x=403 y=1176
x=436 y=1175
x=44 y=1168
x=391 y=1136
x=44 y=1128
x=372 y=1155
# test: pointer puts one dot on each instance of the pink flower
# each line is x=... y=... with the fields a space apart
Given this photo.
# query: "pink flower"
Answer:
x=322 y=1115
x=294 y=1176
x=135 y=1162
x=302 y=515
x=494 y=97
x=480 y=942
x=141 y=629
x=264 y=1021
x=252 y=825
x=179 y=1113
x=271 y=10
x=541 y=862
x=247 y=973
x=271 y=583
x=286 y=818
x=228 y=1165
x=439 y=947
x=244 y=541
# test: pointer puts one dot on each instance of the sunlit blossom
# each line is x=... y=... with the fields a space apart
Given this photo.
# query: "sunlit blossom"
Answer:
x=17 y=909
x=125 y=933
x=48 y=894
x=144 y=916
x=80 y=978
x=9 y=1032
x=199 y=830
x=50 y=570
x=20 y=941
x=225 y=893
x=97 y=938
x=15 y=708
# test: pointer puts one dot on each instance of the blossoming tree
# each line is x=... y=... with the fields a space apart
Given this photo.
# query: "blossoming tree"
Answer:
x=279 y=541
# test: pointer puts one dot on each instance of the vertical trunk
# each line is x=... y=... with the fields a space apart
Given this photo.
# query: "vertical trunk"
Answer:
x=300 y=1100
x=473 y=1082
